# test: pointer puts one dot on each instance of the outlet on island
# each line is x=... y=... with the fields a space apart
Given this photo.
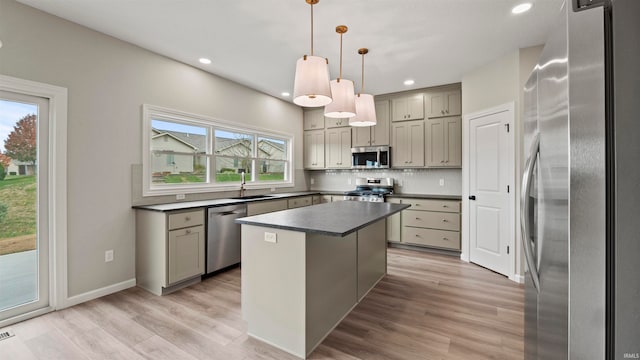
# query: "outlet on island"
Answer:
x=270 y=237
x=108 y=256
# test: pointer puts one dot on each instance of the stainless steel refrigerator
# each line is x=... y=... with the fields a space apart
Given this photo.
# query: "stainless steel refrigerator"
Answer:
x=581 y=186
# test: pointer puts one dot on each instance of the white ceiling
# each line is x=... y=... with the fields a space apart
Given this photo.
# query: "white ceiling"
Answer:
x=256 y=43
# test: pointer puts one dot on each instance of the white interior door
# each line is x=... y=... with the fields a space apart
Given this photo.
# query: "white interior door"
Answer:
x=489 y=210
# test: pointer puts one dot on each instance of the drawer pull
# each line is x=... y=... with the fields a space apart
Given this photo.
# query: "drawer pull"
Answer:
x=188 y=231
x=187 y=218
x=445 y=220
x=417 y=235
x=445 y=239
x=417 y=218
x=444 y=206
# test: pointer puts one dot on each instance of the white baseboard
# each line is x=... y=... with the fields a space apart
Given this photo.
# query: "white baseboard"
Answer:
x=94 y=294
x=517 y=278
x=464 y=257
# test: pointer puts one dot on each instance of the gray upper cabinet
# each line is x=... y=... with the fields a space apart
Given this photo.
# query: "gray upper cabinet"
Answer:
x=443 y=147
x=335 y=122
x=338 y=148
x=374 y=135
x=407 y=142
x=313 y=149
x=313 y=119
x=445 y=103
x=410 y=107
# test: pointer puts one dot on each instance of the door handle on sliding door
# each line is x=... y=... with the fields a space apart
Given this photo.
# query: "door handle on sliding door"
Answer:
x=524 y=211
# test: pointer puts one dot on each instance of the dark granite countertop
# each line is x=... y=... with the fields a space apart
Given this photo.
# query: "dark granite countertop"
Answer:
x=335 y=219
x=427 y=196
x=220 y=202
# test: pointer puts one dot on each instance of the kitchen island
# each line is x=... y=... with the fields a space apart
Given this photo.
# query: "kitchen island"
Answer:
x=304 y=269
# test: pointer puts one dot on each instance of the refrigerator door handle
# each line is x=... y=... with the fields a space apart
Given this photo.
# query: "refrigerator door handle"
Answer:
x=524 y=211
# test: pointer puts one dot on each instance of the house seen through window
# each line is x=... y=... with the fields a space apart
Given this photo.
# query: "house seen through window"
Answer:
x=196 y=154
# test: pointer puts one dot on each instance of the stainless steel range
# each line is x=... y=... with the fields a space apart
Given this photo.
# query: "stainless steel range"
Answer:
x=370 y=189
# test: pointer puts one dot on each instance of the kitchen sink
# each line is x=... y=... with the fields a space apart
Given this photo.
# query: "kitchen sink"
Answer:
x=251 y=197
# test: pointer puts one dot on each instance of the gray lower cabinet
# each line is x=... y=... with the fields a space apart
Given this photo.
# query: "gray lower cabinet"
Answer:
x=170 y=249
x=300 y=202
x=262 y=207
x=393 y=223
x=433 y=223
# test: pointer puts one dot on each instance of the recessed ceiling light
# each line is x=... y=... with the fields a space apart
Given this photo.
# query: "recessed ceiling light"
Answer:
x=286 y=94
x=409 y=82
x=205 y=61
x=519 y=9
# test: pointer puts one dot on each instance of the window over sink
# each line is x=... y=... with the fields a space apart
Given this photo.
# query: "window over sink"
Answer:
x=186 y=153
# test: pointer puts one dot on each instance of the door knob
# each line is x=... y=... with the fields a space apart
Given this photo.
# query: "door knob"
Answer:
x=472 y=197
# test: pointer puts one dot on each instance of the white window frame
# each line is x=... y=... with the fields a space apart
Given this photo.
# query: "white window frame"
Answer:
x=150 y=112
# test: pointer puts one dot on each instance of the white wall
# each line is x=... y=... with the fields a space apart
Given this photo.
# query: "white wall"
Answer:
x=500 y=82
x=108 y=81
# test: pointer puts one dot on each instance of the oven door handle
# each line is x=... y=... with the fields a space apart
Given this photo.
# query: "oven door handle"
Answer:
x=378 y=162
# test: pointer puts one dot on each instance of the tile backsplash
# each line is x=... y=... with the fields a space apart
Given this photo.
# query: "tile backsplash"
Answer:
x=407 y=181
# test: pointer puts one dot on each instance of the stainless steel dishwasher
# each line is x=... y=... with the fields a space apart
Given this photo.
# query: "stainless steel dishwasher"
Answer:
x=223 y=236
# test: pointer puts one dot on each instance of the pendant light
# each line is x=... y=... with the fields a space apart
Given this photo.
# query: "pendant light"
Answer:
x=365 y=107
x=343 y=104
x=311 y=85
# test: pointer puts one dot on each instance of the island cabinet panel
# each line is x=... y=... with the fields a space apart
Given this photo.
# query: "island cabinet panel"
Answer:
x=332 y=280
x=263 y=207
x=372 y=263
x=273 y=287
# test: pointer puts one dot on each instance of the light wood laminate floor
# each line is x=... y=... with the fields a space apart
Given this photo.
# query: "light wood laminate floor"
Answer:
x=427 y=307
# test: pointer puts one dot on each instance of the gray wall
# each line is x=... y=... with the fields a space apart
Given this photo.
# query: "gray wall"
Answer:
x=108 y=81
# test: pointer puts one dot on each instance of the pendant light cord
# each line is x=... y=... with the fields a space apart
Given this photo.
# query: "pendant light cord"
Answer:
x=311 y=29
x=362 y=91
x=340 y=77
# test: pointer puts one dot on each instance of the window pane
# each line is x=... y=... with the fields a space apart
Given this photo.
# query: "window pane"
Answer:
x=271 y=170
x=269 y=148
x=233 y=144
x=178 y=152
x=170 y=168
x=228 y=169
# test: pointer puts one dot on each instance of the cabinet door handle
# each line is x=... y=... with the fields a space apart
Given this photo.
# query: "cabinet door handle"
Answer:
x=442 y=111
x=416 y=204
x=441 y=161
x=188 y=231
x=447 y=111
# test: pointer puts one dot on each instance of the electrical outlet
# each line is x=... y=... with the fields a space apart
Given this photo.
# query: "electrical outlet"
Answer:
x=108 y=256
x=270 y=237
x=312 y=181
x=441 y=182
x=180 y=196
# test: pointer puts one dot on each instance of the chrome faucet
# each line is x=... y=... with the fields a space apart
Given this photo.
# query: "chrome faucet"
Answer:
x=242 y=182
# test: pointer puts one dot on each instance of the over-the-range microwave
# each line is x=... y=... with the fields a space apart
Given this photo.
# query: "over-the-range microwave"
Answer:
x=371 y=157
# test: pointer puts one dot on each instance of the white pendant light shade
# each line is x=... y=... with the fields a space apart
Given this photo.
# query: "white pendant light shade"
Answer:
x=343 y=104
x=365 y=111
x=311 y=86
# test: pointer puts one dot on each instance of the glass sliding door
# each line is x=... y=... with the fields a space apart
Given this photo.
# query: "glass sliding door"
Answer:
x=24 y=218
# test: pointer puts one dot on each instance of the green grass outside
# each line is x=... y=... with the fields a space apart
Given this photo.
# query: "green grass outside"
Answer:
x=19 y=194
x=220 y=178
